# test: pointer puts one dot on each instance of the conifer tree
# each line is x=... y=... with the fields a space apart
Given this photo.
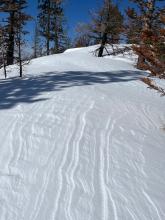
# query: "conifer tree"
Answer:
x=36 y=45
x=151 y=45
x=21 y=18
x=132 y=28
x=10 y=7
x=16 y=19
x=106 y=25
x=45 y=22
x=83 y=38
x=3 y=50
x=60 y=38
x=52 y=25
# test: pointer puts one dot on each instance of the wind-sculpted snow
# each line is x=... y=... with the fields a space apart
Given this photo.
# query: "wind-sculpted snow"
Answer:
x=81 y=145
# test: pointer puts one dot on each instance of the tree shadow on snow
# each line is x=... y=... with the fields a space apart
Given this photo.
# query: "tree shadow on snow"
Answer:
x=29 y=90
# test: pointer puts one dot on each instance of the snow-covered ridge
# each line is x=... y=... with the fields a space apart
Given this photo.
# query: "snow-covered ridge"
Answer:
x=81 y=138
x=73 y=60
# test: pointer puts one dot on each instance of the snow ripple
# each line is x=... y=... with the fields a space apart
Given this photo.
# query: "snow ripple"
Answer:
x=78 y=156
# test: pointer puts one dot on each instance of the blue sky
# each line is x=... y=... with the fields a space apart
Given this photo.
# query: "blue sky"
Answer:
x=78 y=10
x=75 y=11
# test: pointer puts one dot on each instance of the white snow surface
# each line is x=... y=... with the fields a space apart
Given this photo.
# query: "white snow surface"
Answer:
x=81 y=138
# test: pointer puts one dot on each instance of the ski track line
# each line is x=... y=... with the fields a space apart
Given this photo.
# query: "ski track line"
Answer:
x=40 y=196
x=5 y=140
x=48 y=168
x=75 y=158
x=109 y=129
x=14 y=152
x=67 y=137
x=147 y=113
x=103 y=135
x=138 y=170
x=23 y=146
x=134 y=217
x=102 y=180
x=139 y=165
x=16 y=135
x=42 y=191
x=151 y=202
x=53 y=158
x=13 y=178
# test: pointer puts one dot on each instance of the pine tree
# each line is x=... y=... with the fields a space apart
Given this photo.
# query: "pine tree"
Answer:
x=60 y=38
x=45 y=22
x=132 y=28
x=83 y=38
x=10 y=7
x=52 y=25
x=21 y=18
x=106 y=25
x=14 y=30
x=3 y=50
x=150 y=48
x=36 y=45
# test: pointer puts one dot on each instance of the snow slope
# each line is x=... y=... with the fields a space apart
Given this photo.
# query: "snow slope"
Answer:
x=81 y=138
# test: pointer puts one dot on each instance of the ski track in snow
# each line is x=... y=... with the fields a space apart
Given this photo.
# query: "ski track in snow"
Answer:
x=80 y=155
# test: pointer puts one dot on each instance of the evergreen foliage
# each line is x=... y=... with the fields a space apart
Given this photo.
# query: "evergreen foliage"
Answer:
x=13 y=30
x=150 y=46
x=107 y=25
x=52 y=25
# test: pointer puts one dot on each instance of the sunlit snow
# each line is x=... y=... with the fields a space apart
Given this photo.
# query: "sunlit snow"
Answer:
x=81 y=138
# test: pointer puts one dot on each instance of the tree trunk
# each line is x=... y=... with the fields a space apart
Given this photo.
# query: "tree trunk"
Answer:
x=4 y=65
x=35 y=42
x=56 y=43
x=10 y=46
x=19 y=53
x=147 y=26
x=56 y=40
x=48 y=31
x=103 y=42
x=140 y=63
x=47 y=46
